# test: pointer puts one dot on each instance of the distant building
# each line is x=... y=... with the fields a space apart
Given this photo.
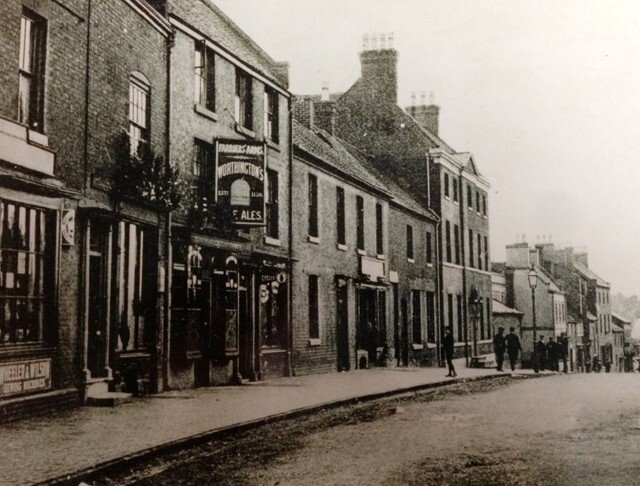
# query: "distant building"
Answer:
x=625 y=324
x=588 y=299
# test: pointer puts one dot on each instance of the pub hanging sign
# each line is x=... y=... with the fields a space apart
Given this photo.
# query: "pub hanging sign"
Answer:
x=240 y=180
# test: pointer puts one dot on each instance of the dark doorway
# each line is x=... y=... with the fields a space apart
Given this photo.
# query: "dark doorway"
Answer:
x=98 y=298
x=342 y=331
x=245 y=326
x=371 y=336
x=404 y=339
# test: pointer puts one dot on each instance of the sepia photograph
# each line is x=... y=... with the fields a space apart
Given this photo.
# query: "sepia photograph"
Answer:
x=291 y=242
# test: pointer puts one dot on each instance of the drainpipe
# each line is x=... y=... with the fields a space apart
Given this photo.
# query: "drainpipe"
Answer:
x=87 y=83
x=290 y=368
x=463 y=235
x=166 y=325
x=440 y=293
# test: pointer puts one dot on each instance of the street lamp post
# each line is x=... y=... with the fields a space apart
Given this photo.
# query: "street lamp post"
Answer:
x=474 y=304
x=533 y=282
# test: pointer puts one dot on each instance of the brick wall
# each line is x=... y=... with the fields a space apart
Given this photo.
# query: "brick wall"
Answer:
x=122 y=42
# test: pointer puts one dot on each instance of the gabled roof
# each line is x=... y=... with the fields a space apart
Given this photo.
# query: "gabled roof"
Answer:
x=328 y=149
x=620 y=318
x=547 y=279
x=498 y=307
x=590 y=275
x=616 y=328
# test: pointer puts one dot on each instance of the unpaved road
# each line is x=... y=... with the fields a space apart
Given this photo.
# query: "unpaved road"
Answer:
x=559 y=430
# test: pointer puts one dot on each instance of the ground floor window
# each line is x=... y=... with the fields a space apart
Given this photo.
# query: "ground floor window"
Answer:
x=431 y=317
x=417 y=316
x=135 y=282
x=273 y=309
x=27 y=256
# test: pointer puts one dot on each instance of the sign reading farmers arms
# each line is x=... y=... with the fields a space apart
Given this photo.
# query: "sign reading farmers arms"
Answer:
x=240 y=180
x=25 y=376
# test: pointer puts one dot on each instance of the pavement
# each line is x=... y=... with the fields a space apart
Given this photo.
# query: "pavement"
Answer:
x=64 y=444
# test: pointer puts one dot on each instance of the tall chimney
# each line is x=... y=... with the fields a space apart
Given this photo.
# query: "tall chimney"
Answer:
x=281 y=70
x=303 y=111
x=379 y=62
x=426 y=115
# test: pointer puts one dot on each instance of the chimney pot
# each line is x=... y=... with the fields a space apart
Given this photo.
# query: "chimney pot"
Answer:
x=390 y=40
x=365 y=42
x=325 y=92
x=413 y=98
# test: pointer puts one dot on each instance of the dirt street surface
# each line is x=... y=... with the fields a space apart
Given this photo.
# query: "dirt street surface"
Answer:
x=559 y=430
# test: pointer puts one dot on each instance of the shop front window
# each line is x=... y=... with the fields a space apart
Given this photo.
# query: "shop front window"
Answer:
x=26 y=252
x=135 y=281
x=273 y=311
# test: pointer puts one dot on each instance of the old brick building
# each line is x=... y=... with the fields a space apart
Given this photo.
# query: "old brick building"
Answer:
x=42 y=108
x=364 y=251
x=407 y=147
x=230 y=272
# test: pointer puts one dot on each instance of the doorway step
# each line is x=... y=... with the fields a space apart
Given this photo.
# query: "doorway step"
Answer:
x=98 y=394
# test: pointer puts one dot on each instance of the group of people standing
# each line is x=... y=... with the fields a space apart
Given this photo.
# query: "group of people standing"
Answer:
x=545 y=355
x=509 y=344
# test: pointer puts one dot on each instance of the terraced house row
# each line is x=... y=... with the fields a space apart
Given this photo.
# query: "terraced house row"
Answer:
x=172 y=216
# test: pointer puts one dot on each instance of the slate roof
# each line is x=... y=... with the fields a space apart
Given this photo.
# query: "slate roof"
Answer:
x=330 y=150
x=400 y=196
x=347 y=159
x=498 y=307
x=588 y=274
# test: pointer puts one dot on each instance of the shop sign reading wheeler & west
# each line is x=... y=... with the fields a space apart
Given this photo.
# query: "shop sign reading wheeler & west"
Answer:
x=240 y=180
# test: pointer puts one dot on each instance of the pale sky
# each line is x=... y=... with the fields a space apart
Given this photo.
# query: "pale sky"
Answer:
x=544 y=93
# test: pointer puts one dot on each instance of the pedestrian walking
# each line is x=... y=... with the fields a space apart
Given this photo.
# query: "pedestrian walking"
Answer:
x=552 y=357
x=447 y=348
x=564 y=351
x=540 y=354
x=513 y=347
x=499 y=347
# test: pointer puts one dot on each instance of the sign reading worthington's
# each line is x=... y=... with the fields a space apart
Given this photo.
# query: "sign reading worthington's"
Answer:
x=240 y=180
x=25 y=376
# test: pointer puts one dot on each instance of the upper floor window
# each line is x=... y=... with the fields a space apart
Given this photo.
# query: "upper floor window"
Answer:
x=271 y=128
x=379 y=230
x=486 y=253
x=243 y=102
x=484 y=205
x=478 y=202
x=138 y=111
x=469 y=196
x=359 y=223
x=410 y=242
x=448 y=240
x=471 y=248
x=272 y=204
x=203 y=165
x=313 y=205
x=479 y=251
x=204 y=77
x=446 y=185
x=341 y=229
x=455 y=188
x=456 y=243
x=33 y=48
x=429 y=249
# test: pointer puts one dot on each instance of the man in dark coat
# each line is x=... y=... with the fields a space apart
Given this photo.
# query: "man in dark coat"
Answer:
x=564 y=351
x=447 y=348
x=552 y=356
x=499 y=347
x=513 y=347
x=541 y=354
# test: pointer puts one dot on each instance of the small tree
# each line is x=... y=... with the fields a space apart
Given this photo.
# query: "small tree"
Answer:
x=143 y=175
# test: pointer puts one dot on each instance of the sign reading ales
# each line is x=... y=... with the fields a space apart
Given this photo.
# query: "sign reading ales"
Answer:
x=240 y=180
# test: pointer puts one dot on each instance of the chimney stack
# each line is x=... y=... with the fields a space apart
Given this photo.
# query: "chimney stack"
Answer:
x=324 y=111
x=426 y=115
x=379 y=63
